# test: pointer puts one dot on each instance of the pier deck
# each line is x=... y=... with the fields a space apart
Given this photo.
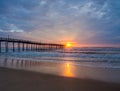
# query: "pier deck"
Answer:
x=26 y=45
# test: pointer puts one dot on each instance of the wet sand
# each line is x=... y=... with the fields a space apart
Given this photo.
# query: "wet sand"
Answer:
x=19 y=80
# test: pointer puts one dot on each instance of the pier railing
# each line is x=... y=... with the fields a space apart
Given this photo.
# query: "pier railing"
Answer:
x=26 y=45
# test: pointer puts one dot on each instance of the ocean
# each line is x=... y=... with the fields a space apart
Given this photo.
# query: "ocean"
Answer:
x=98 y=63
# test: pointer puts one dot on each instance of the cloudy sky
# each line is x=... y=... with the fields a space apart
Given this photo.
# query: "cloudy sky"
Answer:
x=85 y=22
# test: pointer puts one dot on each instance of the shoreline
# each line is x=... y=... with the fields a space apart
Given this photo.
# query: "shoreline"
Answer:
x=22 y=80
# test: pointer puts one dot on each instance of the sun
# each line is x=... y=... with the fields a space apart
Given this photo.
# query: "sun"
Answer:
x=68 y=45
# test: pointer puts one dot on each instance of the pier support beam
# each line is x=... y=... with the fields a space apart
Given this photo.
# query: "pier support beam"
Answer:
x=23 y=47
x=6 y=46
x=13 y=47
x=31 y=47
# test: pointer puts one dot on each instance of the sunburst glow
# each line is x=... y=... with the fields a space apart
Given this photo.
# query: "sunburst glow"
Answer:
x=68 y=45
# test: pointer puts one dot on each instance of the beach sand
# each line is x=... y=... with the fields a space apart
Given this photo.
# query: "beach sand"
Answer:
x=19 y=80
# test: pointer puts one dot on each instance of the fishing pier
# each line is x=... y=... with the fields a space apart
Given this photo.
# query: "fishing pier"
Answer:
x=19 y=45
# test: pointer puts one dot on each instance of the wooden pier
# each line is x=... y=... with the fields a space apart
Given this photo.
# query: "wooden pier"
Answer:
x=18 y=45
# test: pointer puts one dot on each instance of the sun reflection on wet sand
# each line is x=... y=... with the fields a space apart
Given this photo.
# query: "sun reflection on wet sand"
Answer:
x=68 y=70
